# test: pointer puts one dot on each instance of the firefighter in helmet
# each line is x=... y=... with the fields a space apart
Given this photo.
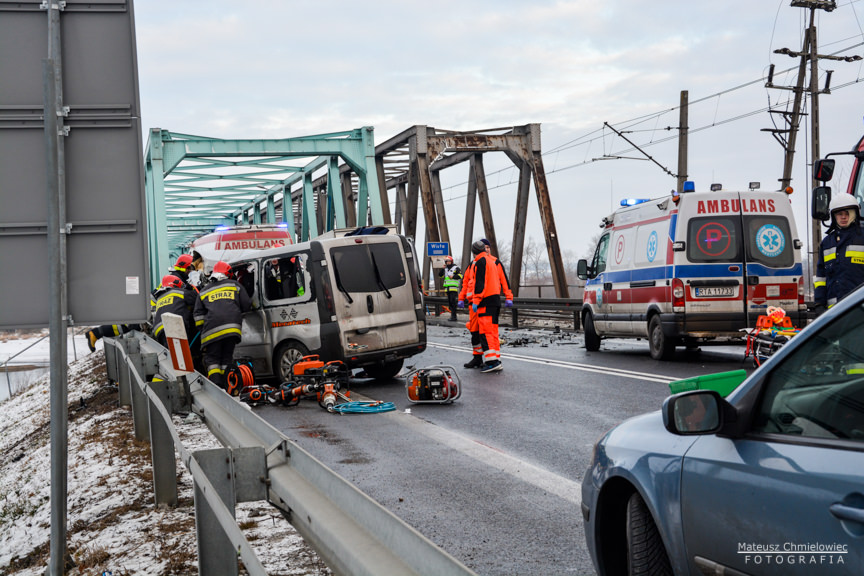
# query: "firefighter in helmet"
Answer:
x=219 y=314
x=451 y=275
x=177 y=298
x=840 y=267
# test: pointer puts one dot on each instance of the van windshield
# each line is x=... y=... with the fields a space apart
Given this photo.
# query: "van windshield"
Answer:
x=356 y=267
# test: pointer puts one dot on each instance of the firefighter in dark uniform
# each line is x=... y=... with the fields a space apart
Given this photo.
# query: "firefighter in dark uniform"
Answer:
x=177 y=298
x=219 y=315
x=840 y=267
x=108 y=330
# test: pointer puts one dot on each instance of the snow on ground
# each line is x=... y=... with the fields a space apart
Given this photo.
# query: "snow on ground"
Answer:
x=113 y=524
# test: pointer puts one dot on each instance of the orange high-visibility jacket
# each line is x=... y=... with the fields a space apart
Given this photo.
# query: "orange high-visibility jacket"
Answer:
x=490 y=281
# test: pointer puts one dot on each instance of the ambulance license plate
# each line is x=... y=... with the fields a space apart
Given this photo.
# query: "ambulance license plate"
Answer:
x=714 y=291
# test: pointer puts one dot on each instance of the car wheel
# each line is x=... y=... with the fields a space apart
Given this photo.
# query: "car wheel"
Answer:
x=287 y=355
x=662 y=348
x=645 y=551
x=592 y=339
x=384 y=370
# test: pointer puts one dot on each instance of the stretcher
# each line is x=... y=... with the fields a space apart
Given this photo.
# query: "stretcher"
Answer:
x=772 y=331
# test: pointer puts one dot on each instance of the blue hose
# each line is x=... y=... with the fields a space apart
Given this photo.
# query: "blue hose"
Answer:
x=363 y=407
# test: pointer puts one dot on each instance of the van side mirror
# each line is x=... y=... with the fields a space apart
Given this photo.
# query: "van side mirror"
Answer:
x=823 y=170
x=582 y=269
x=821 y=200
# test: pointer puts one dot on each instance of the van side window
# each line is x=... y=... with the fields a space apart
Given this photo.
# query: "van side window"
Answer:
x=245 y=274
x=598 y=264
x=285 y=277
x=714 y=239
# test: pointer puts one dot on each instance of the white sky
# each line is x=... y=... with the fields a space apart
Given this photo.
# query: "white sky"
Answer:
x=285 y=69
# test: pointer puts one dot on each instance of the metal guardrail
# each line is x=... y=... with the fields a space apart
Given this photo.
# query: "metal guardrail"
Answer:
x=567 y=305
x=353 y=534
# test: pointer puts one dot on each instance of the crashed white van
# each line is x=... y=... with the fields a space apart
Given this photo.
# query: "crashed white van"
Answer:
x=349 y=295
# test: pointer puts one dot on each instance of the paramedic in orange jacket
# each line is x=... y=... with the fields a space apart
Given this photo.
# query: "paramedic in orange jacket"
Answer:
x=465 y=293
x=489 y=281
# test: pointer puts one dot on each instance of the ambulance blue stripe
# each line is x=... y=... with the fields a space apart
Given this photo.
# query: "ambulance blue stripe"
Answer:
x=695 y=271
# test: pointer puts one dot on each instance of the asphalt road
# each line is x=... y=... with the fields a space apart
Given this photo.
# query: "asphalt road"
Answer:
x=494 y=478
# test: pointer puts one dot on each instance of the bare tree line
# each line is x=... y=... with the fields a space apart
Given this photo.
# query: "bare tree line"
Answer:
x=536 y=270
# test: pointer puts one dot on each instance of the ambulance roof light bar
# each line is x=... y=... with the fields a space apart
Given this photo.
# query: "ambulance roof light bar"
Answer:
x=222 y=228
x=633 y=201
x=689 y=186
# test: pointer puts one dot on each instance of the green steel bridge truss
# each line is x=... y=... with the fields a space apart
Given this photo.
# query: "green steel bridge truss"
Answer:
x=195 y=184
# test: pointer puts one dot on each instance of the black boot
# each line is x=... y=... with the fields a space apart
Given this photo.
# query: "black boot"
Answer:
x=476 y=362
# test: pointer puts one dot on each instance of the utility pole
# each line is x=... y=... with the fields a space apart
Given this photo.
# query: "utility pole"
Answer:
x=683 y=131
x=787 y=136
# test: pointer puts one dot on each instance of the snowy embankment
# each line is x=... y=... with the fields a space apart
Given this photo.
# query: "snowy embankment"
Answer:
x=113 y=524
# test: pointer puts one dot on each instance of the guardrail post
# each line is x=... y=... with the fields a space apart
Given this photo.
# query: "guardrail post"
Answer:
x=237 y=476
x=515 y=314
x=140 y=408
x=216 y=554
x=123 y=379
x=111 y=363
x=142 y=367
x=162 y=444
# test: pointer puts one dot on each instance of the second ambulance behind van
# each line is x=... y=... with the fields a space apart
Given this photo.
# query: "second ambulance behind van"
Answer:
x=692 y=269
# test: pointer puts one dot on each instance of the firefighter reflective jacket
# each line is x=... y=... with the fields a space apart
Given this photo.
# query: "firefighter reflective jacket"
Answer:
x=840 y=268
x=180 y=301
x=219 y=310
x=489 y=281
x=451 y=274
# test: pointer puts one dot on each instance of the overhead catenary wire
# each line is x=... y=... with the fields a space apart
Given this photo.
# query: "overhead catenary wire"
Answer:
x=599 y=134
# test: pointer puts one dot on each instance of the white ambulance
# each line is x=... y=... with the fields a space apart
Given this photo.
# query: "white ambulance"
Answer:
x=231 y=242
x=692 y=269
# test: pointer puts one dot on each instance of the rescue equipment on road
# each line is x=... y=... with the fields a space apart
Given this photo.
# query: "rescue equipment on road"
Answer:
x=772 y=331
x=327 y=383
x=433 y=385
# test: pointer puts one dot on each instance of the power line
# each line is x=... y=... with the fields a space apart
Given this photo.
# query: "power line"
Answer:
x=628 y=125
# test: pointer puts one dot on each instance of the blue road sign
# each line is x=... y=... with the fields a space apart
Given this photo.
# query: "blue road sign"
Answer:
x=437 y=248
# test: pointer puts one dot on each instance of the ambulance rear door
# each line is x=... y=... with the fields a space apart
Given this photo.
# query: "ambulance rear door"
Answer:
x=711 y=266
x=773 y=271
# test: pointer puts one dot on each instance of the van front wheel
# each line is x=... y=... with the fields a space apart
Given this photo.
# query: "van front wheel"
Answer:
x=384 y=370
x=592 y=339
x=287 y=355
x=661 y=346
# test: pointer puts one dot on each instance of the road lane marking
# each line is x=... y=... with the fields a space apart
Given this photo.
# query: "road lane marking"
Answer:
x=570 y=365
x=541 y=478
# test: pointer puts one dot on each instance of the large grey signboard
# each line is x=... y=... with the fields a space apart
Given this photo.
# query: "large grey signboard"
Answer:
x=101 y=165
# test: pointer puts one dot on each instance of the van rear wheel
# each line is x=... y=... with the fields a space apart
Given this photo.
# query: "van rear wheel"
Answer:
x=661 y=346
x=384 y=370
x=287 y=355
